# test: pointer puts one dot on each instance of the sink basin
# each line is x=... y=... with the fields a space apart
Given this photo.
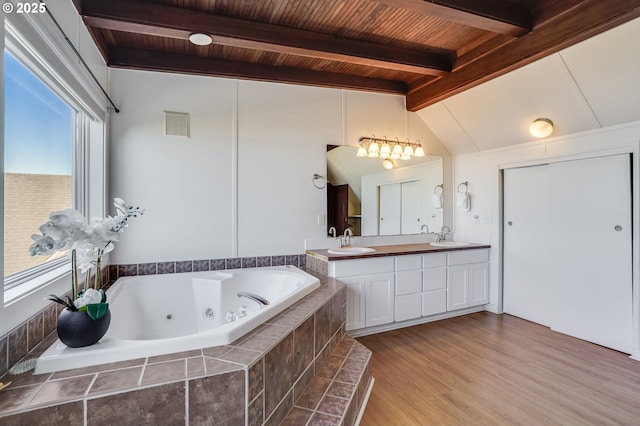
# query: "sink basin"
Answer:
x=351 y=250
x=450 y=244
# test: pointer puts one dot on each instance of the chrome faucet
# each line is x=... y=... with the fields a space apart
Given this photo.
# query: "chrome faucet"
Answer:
x=423 y=227
x=347 y=238
x=252 y=296
x=332 y=231
x=443 y=234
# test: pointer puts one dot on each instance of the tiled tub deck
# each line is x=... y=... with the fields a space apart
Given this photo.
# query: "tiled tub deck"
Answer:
x=299 y=368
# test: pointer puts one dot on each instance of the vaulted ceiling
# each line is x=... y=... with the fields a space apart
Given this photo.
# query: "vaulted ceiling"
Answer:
x=426 y=50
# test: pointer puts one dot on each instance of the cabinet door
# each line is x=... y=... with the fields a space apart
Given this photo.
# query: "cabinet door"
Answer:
x=478 y=284
x=411 y=207
x=379 y=299
x=408 y=307
x=457 y=287
x=355 y=302
x=389 y=209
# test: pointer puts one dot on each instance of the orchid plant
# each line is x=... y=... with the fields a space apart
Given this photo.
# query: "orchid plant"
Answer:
x=88 y=241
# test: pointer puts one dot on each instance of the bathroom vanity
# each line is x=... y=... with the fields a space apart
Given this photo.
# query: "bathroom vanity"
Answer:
x=401 y=285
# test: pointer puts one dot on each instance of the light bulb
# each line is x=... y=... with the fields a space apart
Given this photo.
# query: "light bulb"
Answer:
x=373 y=154
x=385 y=148
x=374 y=147
x=408 y=150
x=384 y=154
x=397 y=149
x=419 y=151
x=387 y=164
x=362 y=152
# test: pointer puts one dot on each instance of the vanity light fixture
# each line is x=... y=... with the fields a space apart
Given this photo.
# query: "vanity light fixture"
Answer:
x=541 y=128
x=373 y=147
x=200 y=39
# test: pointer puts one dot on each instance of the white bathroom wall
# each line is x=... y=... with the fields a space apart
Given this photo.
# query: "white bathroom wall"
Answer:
x=241 y=186
x=184 y=184
x=482 y=172
x=283 y=132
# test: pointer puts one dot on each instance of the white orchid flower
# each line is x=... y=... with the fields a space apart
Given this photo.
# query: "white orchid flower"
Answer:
x=43 y=245
x=121 y=206
x=90 y=296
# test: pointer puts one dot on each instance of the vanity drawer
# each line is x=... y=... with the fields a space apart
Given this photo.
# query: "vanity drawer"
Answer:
x=348 y=268
x=467 y=256
x=434 y=259
x=407 y=263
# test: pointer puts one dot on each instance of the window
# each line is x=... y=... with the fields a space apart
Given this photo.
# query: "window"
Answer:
x=39 y=142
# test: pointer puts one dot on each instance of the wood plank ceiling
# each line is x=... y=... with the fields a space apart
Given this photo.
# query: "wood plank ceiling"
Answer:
x=426 y=50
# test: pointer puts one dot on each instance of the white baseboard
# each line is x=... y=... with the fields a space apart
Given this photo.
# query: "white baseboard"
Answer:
x=423 y=320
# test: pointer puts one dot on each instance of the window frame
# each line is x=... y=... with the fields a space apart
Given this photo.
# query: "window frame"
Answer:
x=29 y=279
x=38 y=43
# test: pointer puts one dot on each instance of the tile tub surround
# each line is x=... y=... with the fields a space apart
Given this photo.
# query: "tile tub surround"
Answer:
x=254 y=380
x=23 y=338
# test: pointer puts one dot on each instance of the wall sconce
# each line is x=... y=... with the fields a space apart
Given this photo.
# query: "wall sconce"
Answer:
x=373 y=147
x=541 y=128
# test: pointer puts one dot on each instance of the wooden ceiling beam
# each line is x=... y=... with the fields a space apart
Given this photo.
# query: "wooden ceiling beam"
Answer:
x=187 y=64
x=490 y=15
x=583 y=21
x=166 y=21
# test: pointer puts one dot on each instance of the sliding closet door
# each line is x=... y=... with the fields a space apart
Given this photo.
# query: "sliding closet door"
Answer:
x=590 y=248
x=526 y=244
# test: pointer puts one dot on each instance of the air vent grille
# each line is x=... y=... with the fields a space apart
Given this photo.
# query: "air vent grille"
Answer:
x=176 y=124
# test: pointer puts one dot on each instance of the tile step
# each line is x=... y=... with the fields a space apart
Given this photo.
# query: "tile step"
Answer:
x=338 y=390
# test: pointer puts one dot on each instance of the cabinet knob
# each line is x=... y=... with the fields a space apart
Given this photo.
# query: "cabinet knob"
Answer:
x=618 y=228
x=509 y=223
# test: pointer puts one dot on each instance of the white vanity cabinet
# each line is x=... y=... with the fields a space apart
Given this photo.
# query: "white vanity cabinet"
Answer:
x=467 y=279
x=370 y=290
x=402 y=288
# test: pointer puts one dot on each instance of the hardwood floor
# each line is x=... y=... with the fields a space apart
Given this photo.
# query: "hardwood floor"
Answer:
x=487 y=369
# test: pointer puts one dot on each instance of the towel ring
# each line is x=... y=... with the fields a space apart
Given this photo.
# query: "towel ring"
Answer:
x=465 y=188
x=435 y=189
x=321 y=184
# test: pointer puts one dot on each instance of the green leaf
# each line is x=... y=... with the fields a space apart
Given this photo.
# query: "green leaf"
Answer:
x=97 y=310
x=82 y=309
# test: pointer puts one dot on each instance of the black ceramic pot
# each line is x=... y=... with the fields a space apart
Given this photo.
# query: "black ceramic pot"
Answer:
x=77 y=329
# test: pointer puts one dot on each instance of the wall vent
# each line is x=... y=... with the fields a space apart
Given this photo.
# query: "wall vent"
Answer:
x=176 y=123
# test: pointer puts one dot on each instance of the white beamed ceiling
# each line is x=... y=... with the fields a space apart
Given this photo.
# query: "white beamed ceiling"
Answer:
x=590 y=85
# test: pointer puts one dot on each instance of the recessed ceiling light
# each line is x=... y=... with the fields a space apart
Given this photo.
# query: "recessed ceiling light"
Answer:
x=200 y=39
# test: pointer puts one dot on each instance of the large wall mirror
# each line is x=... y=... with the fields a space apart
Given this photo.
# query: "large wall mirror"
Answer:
x=370 y=200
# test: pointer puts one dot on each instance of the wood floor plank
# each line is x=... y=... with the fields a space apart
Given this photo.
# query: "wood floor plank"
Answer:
x=487 y=369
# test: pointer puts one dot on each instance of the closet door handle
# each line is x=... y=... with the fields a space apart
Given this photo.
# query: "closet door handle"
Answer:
x=510 y=223
x=618 y=228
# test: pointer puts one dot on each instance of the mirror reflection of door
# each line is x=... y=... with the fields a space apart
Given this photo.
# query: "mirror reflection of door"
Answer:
x=400 y=208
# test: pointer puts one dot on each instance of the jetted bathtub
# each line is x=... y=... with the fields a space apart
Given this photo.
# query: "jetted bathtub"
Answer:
x=160 y=314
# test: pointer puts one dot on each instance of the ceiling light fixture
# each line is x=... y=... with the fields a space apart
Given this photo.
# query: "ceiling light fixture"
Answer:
x=387 y=164
x=541 y=128
x=200 y=39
